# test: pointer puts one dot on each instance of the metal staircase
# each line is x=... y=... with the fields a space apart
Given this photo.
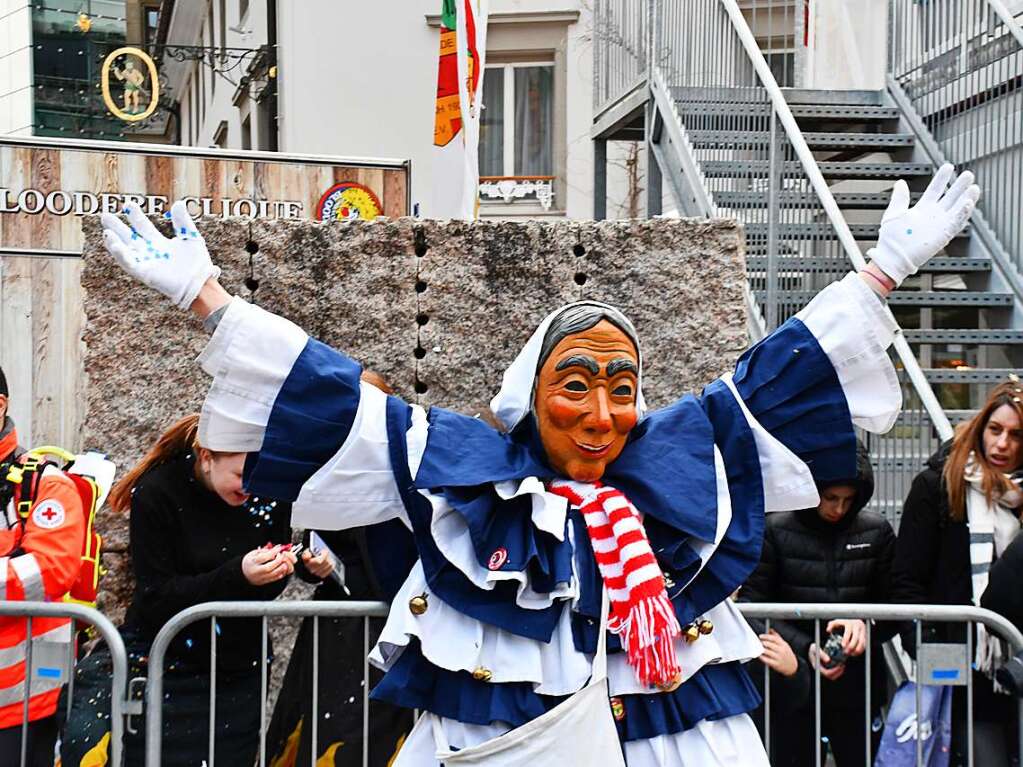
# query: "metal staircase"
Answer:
x=809 y=174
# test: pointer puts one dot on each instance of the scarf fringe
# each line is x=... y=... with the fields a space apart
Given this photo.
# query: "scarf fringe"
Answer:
x=642 y=615
x=648 y=634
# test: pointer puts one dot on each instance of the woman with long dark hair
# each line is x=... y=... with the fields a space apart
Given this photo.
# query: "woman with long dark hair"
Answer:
x=961 y=514
x=195 y=536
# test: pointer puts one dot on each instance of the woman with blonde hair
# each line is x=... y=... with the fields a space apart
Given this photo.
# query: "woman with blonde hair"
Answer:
x=962 y=512
x=195 y=536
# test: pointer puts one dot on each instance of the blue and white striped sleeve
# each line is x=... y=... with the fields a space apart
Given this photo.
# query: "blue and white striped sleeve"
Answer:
x=805 y=386
x=315 y=434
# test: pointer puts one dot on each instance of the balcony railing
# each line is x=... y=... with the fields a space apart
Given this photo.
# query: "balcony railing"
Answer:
x=510 y=189
x=958 y=65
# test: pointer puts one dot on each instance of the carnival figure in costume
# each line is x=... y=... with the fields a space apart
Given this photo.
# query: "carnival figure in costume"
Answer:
x=570 y=604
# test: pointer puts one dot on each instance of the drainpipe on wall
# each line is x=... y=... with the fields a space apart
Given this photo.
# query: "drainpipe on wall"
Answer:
x=271 y=39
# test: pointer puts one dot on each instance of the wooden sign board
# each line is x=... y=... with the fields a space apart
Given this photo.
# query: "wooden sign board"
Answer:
x=47 y=186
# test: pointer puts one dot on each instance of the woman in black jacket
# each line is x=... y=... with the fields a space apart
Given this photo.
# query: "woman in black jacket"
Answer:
x=961 y=514
x=195 y=536
x=833 y=553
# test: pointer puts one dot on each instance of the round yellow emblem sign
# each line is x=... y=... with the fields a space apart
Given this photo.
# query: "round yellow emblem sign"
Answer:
x=134 y=81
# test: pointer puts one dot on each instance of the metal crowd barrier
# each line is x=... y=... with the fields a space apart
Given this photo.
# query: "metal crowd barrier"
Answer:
x=996 y=624
x=264 y=610
x=118 y=656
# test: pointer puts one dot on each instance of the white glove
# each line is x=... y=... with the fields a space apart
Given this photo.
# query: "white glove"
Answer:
x=178 y=267
x=911 y=236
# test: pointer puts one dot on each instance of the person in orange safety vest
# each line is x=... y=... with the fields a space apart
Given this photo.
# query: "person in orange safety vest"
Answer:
x=40 y=558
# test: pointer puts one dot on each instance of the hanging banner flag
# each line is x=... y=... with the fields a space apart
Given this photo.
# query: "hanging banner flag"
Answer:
x=456 y=133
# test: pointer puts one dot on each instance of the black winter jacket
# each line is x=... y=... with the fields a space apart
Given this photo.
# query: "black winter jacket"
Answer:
x=806 y=559
x=932 y=566
x=932 y=555
x=187 y=547
x=1003 y=594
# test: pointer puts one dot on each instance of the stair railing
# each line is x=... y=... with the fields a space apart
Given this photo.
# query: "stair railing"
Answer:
x=707 y=63
x=956 y=70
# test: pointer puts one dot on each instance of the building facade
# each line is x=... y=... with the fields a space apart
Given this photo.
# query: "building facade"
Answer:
x=330 y=78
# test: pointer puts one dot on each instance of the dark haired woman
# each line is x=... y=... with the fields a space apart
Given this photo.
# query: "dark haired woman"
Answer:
x=961 y=514
x=195 y=536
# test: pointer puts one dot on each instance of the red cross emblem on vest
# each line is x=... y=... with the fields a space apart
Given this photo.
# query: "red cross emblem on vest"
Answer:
x=48 y=514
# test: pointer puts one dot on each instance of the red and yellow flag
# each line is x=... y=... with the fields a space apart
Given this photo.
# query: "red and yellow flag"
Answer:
x=463 y=34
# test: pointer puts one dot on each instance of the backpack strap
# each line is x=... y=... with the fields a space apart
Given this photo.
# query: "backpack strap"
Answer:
x=26 y=476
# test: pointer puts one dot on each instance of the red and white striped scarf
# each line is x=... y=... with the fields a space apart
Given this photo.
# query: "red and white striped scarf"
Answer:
x=641 y=613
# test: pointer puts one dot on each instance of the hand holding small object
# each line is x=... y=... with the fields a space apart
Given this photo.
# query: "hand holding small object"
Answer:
x=320 y=565
x=854 y=637
x=819 y=658
x=266 y=565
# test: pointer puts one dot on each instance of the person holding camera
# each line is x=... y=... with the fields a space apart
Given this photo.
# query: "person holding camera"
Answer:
x=961 y=515
x=195 y=536
x=836 y=552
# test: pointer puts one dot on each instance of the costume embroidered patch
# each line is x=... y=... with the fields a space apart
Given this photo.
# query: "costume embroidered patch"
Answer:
x=498 y=558
x=48 y=514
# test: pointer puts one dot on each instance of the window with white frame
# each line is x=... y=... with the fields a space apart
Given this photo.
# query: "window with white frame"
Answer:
x=517 y=132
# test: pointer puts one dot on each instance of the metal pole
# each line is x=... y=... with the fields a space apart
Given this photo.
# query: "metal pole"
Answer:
x=213 y=689
x=365 y=692
x=774 y=168
x=817 y=690
x=262 y=696
x=767 y=699
x=867 y=713
x=969 y=695
x=919 y=682
x=315 y=716
x=71 y=673
x=28 y=693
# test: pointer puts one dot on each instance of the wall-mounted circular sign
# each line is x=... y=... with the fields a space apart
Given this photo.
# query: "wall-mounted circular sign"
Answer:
x=348 y=200
x=131 y=85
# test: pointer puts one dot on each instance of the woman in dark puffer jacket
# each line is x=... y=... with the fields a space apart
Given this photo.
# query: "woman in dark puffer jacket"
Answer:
x=833 y=553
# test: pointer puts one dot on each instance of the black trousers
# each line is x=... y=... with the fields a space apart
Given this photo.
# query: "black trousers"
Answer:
x=845 y=732
x=42 y=737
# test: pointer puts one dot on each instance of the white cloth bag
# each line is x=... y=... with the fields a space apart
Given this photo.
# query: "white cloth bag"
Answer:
x=580 y=730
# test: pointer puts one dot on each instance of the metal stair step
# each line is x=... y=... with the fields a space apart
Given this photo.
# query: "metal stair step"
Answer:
x=971 y=376
x=835 y=170
x=845 y=112
x=758 y=106
x=756 y=232
x=846 y=200
x=921 y=418
x=968 y=336
x=726 y=139
x=758 y=263
x=981 y=299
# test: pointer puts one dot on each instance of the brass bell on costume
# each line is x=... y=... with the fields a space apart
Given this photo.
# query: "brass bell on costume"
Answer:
x=482 y=674
x=705 y=626
x=418 y=605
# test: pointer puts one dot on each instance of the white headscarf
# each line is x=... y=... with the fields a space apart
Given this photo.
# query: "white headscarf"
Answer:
x=515 y=400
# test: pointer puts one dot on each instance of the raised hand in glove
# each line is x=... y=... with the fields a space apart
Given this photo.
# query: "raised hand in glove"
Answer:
x=911 y=236
x=177 y=267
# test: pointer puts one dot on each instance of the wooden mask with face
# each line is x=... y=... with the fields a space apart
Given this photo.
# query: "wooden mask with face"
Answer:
x=586 y=392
